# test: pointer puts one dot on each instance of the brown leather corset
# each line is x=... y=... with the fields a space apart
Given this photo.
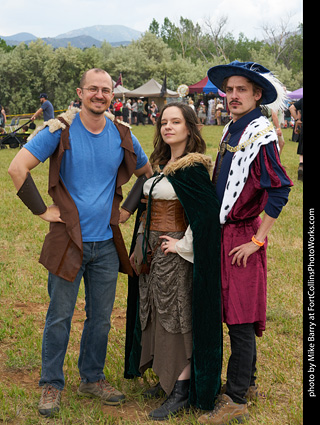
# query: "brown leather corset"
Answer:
x=166 y=216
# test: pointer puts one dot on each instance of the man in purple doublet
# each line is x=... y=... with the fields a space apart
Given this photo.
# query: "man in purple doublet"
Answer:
x=249 y=180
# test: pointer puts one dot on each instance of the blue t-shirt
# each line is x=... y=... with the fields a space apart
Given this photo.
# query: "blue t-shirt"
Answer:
x=48 y=111
x=88 y=170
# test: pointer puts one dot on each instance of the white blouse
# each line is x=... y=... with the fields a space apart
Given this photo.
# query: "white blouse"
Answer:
x=164 y=190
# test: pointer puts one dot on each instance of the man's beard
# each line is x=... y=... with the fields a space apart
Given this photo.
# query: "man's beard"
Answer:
x=98 y=111
x=94 y=111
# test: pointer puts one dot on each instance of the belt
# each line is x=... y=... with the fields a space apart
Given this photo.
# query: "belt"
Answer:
x=166 y=216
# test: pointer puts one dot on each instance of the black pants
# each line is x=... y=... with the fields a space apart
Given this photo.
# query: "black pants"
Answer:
x=242 y=362
x=140 y=118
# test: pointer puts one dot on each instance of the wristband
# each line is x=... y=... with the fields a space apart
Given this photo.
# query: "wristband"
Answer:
x=132 y=201
x=30 y=196
x=256 y=242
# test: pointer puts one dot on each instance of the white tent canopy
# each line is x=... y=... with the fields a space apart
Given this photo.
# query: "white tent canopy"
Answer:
x=150 y=89
x=119 y=90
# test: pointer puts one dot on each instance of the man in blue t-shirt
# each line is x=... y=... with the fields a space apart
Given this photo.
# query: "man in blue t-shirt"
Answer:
x=46 y=108
x=88 y=170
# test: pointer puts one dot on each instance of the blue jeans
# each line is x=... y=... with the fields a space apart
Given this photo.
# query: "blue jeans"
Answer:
x=99 y=269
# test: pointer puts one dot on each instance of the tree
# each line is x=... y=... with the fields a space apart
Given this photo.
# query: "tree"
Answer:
x=5 y=47
x=154 y=28
x=183 y=51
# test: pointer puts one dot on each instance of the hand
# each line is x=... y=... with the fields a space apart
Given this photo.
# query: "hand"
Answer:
x=124 y=215
x=52 y=215
x=131 y=259
x=242 y=253
x=169 y=245
x=297 y=128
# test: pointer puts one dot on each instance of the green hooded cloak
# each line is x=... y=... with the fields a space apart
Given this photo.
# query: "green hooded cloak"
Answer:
x=191 y=181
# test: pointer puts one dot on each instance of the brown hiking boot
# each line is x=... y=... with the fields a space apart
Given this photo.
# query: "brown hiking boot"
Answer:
x=49 y=403
x=225 y=412
x=103 y=390
x=251 y=395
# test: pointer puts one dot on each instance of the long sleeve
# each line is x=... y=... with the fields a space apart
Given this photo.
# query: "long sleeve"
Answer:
x=184 y=246
x=274 y=179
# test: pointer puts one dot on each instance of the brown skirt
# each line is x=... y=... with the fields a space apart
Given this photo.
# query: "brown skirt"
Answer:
x=168 y=354
x=165 y=314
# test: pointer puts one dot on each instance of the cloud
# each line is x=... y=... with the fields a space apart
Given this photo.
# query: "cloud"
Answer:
x=51 y=19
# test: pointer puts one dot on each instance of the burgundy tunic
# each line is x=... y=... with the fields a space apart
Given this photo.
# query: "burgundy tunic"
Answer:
x=244 y=289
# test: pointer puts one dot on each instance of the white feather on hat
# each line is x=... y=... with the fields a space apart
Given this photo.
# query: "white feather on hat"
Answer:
x=281 y=102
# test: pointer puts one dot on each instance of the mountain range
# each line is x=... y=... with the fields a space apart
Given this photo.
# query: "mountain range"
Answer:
x=116 y=35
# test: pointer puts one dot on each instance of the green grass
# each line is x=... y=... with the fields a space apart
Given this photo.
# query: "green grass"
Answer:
x=24 y=300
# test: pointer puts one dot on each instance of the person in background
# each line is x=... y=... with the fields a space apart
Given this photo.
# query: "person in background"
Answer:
x=134 y=112
x=140 y=114
x=191 y=104
x=202 y=112
x=91 y=156
x=219 y=109
x=249 y=179
x=296 y=110
x=3 y=117
x=117 y=107
x=129 y=107
x=46 y=108
x=153 y=110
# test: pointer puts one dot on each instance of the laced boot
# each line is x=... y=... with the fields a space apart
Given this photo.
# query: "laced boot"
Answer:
x=225 y=412
x=177 y=401
x=103 y=390
x=49 y=404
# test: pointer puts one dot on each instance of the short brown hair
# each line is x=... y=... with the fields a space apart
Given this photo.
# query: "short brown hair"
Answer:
x=84 y=75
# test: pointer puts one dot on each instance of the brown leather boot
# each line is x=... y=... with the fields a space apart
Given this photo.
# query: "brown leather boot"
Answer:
x=225 y=412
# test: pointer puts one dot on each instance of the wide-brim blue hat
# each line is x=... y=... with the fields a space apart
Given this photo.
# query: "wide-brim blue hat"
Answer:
x=272 y=89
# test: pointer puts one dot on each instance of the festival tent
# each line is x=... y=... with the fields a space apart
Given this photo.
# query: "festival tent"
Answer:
x=198 y=87
x=119 y=90
x=296 y=95
x=205 y=86
x=151 y=89
x=210 y=88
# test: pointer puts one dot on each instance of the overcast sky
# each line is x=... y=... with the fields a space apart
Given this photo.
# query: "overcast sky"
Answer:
x=49 y=19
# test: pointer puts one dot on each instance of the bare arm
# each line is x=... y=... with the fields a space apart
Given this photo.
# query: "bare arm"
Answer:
x=146 y=169
x=22 y=164
x=36 y=114
x=294 y=113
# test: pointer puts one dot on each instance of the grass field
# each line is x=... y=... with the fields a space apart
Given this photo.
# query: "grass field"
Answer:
x=24 y=301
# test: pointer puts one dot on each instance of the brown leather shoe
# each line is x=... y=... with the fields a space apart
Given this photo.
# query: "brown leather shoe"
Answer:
x=225 y=412
x=252 y=395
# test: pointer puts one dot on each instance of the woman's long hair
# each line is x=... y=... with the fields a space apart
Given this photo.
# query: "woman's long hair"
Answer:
x=195 y=143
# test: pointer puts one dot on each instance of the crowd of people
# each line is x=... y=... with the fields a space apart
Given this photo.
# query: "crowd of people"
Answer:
x=192 y=265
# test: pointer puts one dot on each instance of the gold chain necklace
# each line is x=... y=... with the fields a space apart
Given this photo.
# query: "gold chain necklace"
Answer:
x=225 y=145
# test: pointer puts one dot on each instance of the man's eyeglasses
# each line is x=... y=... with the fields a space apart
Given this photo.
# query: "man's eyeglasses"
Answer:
x=94 y=90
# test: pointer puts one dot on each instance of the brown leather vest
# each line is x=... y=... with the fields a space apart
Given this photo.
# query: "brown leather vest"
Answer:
x=62 y=250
